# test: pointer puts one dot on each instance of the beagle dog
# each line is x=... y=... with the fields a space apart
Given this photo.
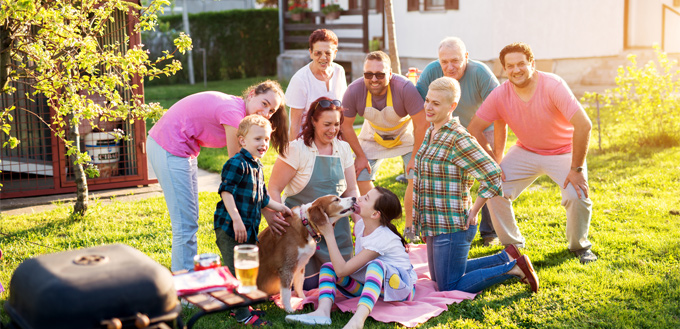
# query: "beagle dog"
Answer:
x=283 y=257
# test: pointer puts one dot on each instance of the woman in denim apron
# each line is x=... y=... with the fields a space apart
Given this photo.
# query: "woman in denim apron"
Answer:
x=317 y=164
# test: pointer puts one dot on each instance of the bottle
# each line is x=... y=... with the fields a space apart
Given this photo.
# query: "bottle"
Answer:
x=412 y=74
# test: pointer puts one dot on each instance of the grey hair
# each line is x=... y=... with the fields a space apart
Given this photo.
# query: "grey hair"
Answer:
x=452 y=42
x=448 y=85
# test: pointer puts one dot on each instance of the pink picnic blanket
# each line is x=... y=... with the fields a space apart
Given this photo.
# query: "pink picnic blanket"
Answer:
x=427 y=303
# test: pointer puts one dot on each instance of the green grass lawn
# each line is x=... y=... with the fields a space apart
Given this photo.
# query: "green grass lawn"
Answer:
x=634 y=284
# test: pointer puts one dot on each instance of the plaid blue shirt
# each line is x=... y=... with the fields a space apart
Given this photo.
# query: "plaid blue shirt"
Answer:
x=242 y=176
x=446 y=168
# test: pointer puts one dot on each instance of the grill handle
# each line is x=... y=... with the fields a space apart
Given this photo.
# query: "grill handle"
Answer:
x=114 y=323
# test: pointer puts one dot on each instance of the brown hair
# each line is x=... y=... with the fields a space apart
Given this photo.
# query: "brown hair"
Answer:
x=517 y=47
x=314 y=113
x=379 y=55
x=279 y=119
x=249 y=121
x=390 y=208
x=322 y=35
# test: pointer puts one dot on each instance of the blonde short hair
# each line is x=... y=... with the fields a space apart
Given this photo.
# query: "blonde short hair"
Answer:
x=252 y=120
x=448 y=85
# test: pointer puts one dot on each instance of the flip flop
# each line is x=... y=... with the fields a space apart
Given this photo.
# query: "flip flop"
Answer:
x=255 y=321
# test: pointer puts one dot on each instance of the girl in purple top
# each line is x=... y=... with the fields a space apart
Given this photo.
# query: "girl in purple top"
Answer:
x=206 y=119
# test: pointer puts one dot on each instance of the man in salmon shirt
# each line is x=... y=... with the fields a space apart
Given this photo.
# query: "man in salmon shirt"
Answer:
x=552 y=132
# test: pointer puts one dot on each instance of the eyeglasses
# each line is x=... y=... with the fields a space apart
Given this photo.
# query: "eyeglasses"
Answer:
x=379 y=75
x=326 y=103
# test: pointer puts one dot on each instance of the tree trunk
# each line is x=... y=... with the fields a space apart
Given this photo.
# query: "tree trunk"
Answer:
x=5 y=59
x=392 y=37
x=80 y=207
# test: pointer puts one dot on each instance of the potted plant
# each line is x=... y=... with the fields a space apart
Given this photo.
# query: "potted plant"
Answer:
x=297 y=11
x=331 y=10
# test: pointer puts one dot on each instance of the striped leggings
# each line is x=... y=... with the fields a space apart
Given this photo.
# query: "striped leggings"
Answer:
x=369 y=291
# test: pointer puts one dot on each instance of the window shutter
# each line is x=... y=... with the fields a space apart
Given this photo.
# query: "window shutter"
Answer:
x=353 y=4
x=413 y=5
x=451 y=4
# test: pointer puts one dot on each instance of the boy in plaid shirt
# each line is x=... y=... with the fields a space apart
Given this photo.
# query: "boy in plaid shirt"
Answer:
x=243 y=192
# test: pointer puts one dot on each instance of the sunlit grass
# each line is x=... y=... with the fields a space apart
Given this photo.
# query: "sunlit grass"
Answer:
x=635 y=283
x=634 y=230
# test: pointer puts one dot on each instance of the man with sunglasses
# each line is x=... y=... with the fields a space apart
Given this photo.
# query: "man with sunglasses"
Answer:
x=476 y=83
x=394 y=124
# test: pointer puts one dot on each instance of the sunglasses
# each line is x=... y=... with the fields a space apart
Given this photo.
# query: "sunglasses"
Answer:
x=379 y=75
x=326 y=103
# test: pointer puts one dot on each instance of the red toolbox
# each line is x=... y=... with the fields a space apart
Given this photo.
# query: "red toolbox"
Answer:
x=111 y=286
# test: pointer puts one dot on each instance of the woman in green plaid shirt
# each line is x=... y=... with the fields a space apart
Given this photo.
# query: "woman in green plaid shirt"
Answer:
x=447 y=164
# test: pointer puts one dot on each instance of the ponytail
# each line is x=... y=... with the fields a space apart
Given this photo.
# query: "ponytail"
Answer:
x=390 y=208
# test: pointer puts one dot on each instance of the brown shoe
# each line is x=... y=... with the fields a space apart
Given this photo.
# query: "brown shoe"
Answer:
x=491 y=241
x=513 y=251
x=585 y=256
x=530 y=276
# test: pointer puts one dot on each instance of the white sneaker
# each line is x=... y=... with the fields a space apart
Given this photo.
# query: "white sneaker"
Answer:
x=308 y=319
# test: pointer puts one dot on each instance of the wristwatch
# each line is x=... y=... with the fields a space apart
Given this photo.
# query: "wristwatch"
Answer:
x=577 y=169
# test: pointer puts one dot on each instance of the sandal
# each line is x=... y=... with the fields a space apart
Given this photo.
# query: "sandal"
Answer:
x=255 y=321
x=253 y=311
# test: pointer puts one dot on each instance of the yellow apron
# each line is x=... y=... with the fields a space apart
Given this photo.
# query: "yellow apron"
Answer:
x=385 y=134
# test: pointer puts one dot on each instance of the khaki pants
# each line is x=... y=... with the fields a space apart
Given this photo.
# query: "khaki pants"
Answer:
x=521 y=168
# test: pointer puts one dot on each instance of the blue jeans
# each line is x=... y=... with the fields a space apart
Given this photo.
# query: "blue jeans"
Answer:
x=179 y=180
x=447 y=258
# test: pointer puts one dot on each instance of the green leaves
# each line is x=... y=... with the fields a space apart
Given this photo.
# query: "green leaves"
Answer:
x=76 y=54
x=644 y=108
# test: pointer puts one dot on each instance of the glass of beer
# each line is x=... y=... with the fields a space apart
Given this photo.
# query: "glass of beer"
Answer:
x=246 y=263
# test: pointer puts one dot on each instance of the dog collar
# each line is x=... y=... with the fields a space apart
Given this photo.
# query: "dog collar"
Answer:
x=310 y=229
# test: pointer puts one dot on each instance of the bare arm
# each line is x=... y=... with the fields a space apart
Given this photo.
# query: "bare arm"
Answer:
x=476 y=129
x=232 y=140
x=351 y=138
x=282 y=174
x=500 y=135
x=344 y=268
x=472 y=215
x=278 y=206
x=582 y=127
x=351 y=179
x=295 y=123
x=419 y=128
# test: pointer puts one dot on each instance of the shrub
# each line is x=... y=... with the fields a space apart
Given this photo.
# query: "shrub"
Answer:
x=644 y=108
x=238 y=43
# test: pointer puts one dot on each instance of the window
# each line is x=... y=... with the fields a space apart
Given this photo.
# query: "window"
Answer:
x=414 y=5
x=434 y=4
x=376 y=5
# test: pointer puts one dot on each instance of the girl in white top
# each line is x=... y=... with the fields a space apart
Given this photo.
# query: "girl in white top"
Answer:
x=379 y=268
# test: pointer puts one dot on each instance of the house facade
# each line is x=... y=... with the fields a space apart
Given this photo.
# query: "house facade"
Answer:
x=582 y=40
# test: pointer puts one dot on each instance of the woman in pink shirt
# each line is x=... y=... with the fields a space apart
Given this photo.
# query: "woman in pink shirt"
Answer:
x=206 y=119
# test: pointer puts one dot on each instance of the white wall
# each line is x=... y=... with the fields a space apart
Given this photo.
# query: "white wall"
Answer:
x=553 y=28
x=645 y=24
